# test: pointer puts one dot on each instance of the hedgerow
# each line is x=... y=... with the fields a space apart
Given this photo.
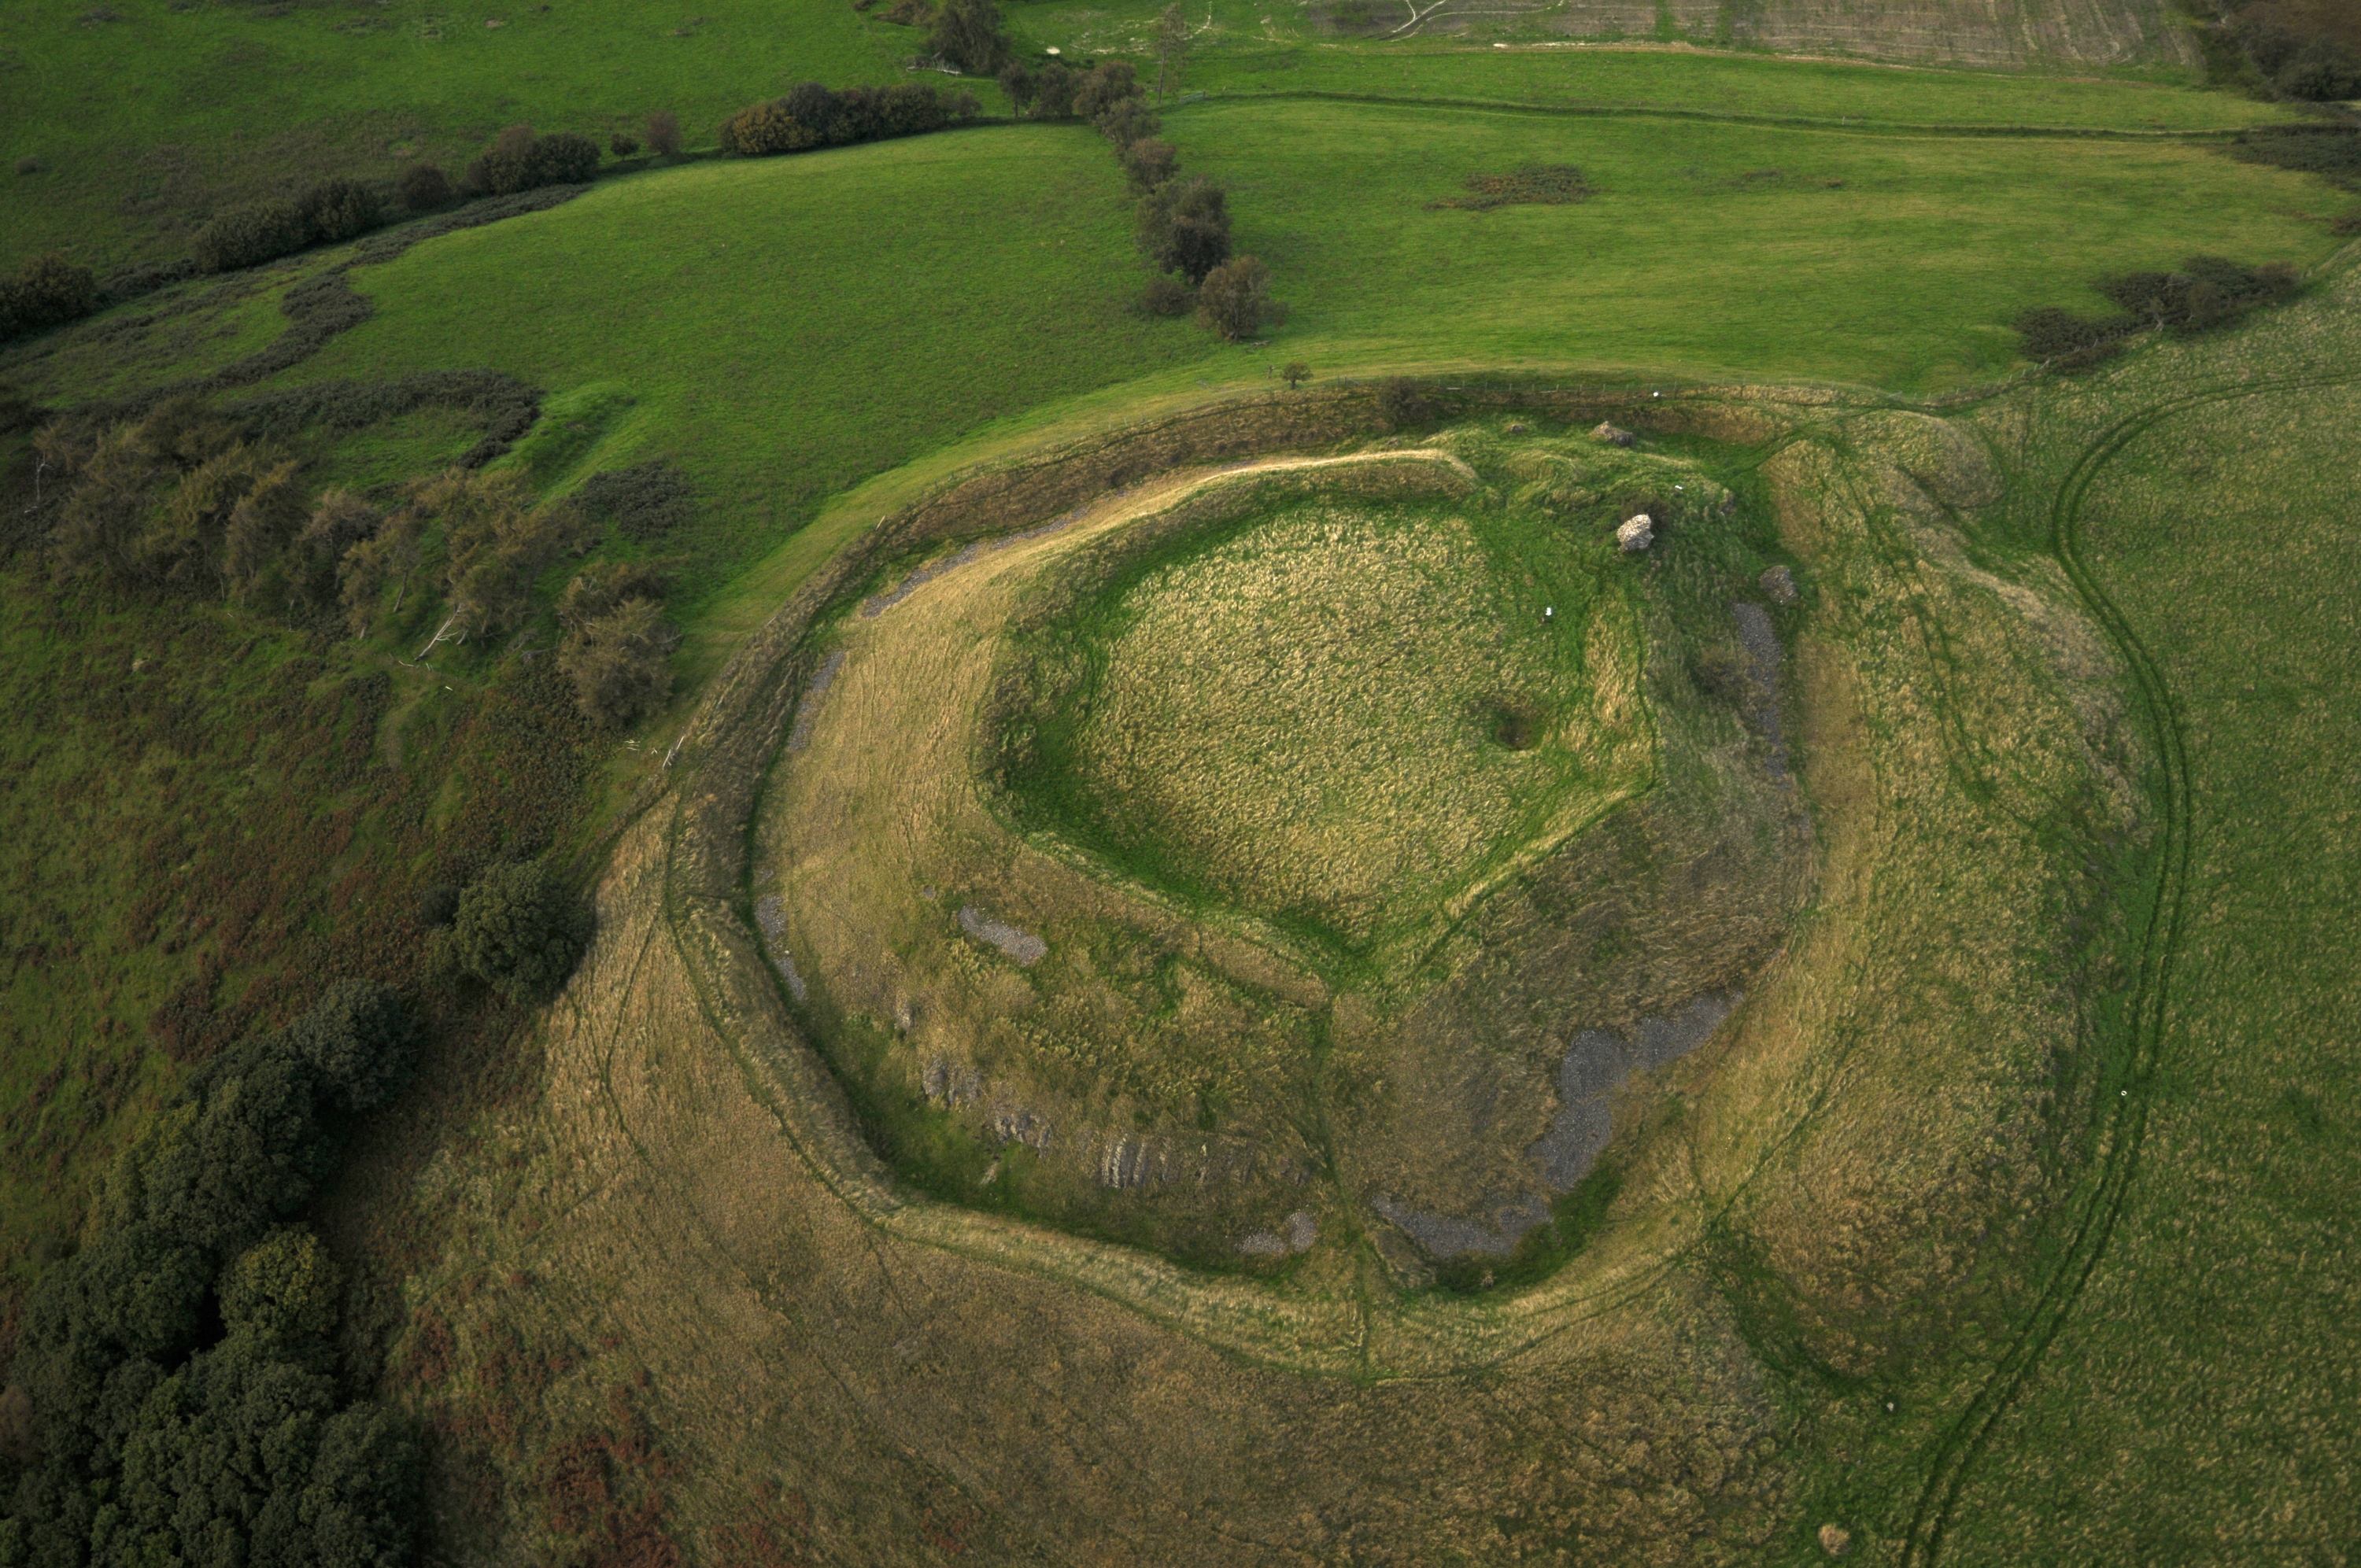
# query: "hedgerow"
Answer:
x=813 y=116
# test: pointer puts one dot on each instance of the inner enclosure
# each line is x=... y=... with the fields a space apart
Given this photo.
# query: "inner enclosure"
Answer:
x=1337 y=720
x=1263 y=877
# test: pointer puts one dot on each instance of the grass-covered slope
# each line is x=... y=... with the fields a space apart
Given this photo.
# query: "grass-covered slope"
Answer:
x=785 y=328
x=1709 y=249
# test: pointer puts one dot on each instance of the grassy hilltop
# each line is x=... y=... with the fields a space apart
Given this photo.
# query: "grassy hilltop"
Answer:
x=1208 y=1031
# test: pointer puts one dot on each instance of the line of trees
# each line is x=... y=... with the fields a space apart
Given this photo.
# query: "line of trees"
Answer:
x=176 y=1394
x=1182 y=222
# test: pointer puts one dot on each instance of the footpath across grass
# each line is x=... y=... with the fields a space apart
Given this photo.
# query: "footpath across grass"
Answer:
x=1710 y=249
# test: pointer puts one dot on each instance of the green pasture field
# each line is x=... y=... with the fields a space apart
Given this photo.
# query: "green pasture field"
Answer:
x=1711 y=250
x=2182 y=1389
x=146 y=122
x=787 y=328
x=148 y=115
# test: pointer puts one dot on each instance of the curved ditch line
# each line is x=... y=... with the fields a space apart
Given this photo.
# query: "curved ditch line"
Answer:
x=2123 y=1127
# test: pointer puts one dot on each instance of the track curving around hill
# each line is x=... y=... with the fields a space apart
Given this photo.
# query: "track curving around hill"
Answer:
x=2121 y=1124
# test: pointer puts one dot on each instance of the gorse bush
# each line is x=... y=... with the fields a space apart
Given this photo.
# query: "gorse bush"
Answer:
x=339 y=210
x=645 y=502
x=46 y=291
x=249 y=236
x=329 y=212
x=421 y=188
x=520 y=159
x=2207 y=291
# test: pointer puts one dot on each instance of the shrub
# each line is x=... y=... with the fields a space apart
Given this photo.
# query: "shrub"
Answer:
x=49 y=291
x=517 y=932
x=260 y=526
x=662 y=133
x=764 y=129
x=1167 y=297
x=816 y=106
x=421 y=187
x=967 y=32
x=185 y=544
x=495 y=544
x=1403 y=404
x=617 y=661
x=2055 y=336
x=1235 y=297
x=1107 y=84
x=1149 y=162
x=338 y=209
x=520 y=160
x=1295 y=372
x=604 y=588
x=1053 y=91
x=1184 y=228
x=1125 y=121
x=251 y=235
x=622 y=144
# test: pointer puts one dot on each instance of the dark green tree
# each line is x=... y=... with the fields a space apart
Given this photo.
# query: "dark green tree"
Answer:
x=517 y=931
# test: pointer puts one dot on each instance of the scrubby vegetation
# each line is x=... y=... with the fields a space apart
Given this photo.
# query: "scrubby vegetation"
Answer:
x=2206 y=291
x=46 y=291
x=814 y=116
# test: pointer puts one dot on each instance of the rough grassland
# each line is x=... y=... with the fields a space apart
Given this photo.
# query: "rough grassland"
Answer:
x=149 y=120
x=1892 y=260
